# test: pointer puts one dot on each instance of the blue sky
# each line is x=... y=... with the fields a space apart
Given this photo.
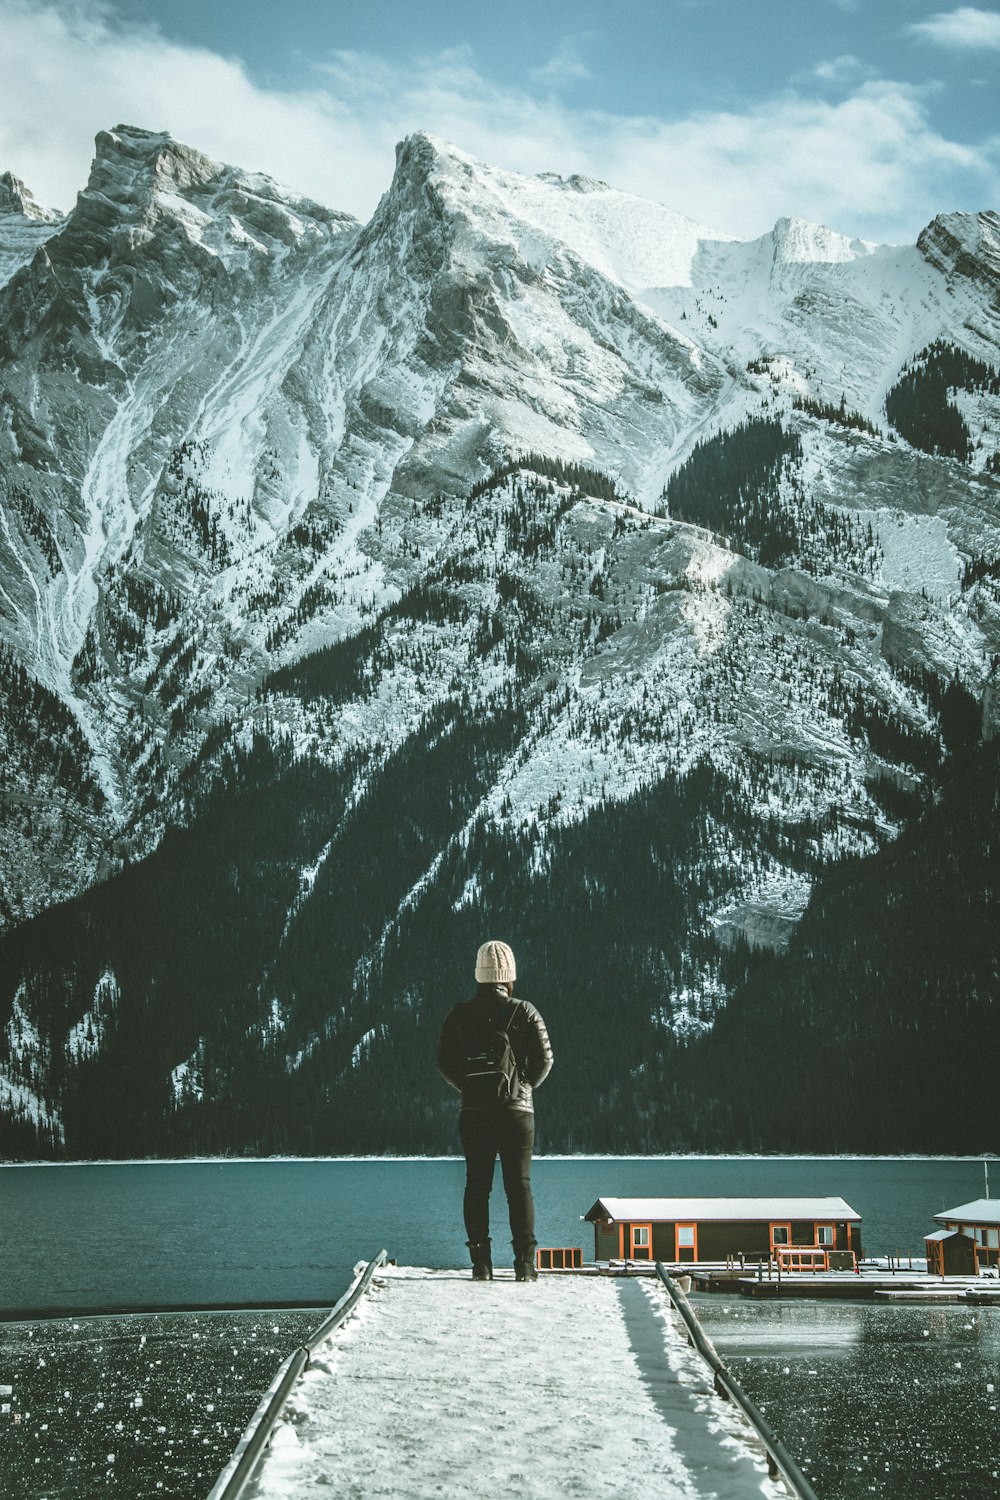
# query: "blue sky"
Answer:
x=868 y=115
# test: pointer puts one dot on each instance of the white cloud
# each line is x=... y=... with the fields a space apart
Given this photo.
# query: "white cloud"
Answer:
x=842 y=72
x=966 y=27
x=869 y=163
x=564 y=68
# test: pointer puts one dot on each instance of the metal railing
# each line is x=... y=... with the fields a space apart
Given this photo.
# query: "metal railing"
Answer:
x=237 y=1474
x=779 y=1460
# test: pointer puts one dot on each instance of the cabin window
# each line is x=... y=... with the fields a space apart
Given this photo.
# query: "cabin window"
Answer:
x=825 y=1234
x=781 y=1234
x=685 y=1236
x=993 y=1239
x=641 y=1238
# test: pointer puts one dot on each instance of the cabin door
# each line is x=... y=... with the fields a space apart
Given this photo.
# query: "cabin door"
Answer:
x=686 y=1242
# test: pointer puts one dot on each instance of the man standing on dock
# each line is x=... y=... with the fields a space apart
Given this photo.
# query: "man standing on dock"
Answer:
x=496 y=1051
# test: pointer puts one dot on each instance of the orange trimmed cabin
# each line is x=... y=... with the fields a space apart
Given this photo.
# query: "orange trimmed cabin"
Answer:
x=795 y=1231
x=968 y=1243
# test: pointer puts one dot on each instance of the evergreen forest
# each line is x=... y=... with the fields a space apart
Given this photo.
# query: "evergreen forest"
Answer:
x=273 y=976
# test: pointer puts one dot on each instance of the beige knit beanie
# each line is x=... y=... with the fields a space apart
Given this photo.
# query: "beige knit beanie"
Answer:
x=495 y=964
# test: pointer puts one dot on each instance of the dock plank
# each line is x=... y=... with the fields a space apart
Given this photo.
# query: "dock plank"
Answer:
x=572 y=1387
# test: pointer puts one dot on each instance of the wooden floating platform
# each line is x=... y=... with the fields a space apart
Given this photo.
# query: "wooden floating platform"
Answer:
x=923 y=1295
x=829 y=1284
x=712 y=1278
x=864 y=1286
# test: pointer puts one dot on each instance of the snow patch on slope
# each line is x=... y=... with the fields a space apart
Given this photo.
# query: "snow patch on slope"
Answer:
x=917 y=552
x=767 y=912
x=22 y=1077
x=20 y=1103
x=88 y=1035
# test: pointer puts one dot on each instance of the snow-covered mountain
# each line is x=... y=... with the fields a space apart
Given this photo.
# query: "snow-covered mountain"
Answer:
x=526 y=459
x=24 y=225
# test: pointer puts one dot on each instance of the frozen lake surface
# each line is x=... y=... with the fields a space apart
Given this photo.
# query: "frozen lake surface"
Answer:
x=874 y=1400
x=135 y=1407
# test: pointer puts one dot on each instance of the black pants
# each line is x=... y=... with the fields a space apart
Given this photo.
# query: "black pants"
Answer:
x=509 y=1134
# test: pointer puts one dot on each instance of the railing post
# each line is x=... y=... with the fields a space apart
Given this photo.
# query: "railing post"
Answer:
x=779 y=1460
x=238 y=1472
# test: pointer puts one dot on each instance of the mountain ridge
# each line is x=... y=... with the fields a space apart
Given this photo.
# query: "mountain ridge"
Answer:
x=541 y=492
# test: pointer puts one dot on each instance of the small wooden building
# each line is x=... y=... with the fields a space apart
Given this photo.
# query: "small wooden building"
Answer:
x=968 y=1241
x=713 y=1229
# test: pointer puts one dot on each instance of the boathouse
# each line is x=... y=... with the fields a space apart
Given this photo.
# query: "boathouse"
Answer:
x=823 y=1230
x=968 y=1241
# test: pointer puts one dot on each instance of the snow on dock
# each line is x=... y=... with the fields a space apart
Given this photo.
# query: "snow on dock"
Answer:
x=572 y=1386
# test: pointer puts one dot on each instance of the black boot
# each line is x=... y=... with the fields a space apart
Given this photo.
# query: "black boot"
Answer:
x=482 y=1262
x=525 y=1268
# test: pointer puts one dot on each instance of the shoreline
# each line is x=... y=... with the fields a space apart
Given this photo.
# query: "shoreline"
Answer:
x=175 y=1161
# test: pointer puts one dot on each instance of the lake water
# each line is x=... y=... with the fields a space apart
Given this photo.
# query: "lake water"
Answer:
x=885 y=1400
x=153 y=1405
x=215 y=1232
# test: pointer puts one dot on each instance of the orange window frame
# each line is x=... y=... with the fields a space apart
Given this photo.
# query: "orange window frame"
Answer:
x=635 y=1247
x=831 y=1243
x=775 y=1243
x=694 y=1241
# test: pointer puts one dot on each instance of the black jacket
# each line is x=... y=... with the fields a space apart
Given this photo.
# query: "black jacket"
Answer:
x=528 y=1038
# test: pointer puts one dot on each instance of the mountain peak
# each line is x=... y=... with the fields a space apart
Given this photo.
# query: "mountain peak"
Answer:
x=15 y=198
x=797 y=241
x=420 y=144
x=144 y=180
x=129 y=163
x=635 y=241
x=420 y=156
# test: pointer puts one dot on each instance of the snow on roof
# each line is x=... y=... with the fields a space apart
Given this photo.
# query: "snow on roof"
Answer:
x=981 y=1211
x=672 y=1210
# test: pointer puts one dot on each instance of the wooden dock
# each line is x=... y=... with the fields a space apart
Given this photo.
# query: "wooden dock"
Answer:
x=574 y=1385
x=863 y=1286
x=842 y=1287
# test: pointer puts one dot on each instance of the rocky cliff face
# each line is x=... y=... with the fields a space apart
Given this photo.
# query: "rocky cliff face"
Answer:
x=968 y=246
x=525 y=450
x=24 y=225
